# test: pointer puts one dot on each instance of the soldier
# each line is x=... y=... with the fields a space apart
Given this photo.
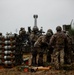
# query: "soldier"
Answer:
x=33 y=37
x=58 y=40
x=19 y=53
x=50 y=50
x=68 y=51
x=20 y=40
x=42 y=45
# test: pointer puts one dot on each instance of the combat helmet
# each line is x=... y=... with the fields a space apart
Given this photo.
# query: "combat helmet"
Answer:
x=48 y=34
x=50 y=30
x=58 y=28
x=22 y=31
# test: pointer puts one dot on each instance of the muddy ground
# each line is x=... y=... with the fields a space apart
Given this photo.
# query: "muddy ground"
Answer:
x=14 y=71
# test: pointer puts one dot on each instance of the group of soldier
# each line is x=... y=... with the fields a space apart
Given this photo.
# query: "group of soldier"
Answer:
x=57 y=46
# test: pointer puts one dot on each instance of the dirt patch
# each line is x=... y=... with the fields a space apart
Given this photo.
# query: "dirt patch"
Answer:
x=14 y=71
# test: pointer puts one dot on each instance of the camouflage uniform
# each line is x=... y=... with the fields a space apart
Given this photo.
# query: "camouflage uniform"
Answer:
x=50 y=50
x=19 y=45
x=33 y=37
x=68 y=51
x=42 y=44
x=59 y=41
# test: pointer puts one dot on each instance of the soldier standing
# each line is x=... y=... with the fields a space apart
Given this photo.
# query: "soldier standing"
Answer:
x=19 y=40
x=33 y=37
x=68 y=52
x=58 y=40
x=42 y=45
x=50 y=50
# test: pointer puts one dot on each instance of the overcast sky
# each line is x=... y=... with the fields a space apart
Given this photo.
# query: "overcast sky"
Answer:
x=19 y=13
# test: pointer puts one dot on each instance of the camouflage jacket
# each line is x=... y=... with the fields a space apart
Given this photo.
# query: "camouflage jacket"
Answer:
x=42 y=41
x=33 y=38
x=58 y=40
x=69 y=44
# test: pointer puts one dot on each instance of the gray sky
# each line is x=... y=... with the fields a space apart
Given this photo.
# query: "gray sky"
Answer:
x=19 y=13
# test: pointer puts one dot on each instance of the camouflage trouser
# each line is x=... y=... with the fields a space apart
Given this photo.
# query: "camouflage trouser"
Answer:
x=34 y=55
x=40 y=59
x=58 y=58
x=68 y=56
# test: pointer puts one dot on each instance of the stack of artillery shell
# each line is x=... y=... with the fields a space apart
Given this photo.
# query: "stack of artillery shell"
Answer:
x=8 y=52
